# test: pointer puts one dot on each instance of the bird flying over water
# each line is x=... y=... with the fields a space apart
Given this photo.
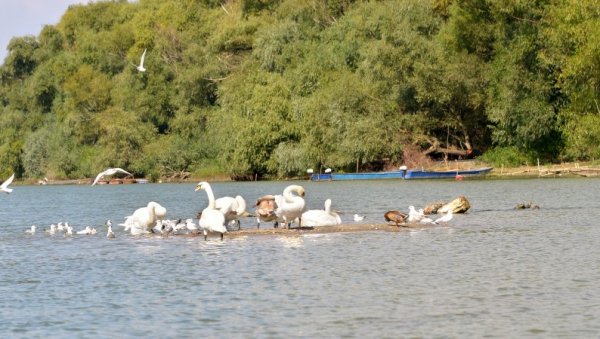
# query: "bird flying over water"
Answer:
x=4 y=187
x=109 y=171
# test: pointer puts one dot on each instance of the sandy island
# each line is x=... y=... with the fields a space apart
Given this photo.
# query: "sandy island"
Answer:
x=295 y=231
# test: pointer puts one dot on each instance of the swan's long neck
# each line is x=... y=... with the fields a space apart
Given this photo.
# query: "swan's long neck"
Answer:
x=287 y=193
x=211 y=196
x=241 y=204
x=328 y=206
x=152 y=209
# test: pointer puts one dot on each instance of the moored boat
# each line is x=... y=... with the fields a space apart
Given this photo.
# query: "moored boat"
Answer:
x=405 y=174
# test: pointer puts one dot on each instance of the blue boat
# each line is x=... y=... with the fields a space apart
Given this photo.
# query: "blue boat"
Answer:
x=405 y=174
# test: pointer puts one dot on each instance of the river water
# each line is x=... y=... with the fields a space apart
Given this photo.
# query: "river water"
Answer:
x=494 y=272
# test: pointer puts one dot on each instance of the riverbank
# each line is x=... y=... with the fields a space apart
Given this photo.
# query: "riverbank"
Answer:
x=553 y=170
x=572 y=169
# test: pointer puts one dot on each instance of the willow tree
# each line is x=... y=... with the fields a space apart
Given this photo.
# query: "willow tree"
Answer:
x=572 y=53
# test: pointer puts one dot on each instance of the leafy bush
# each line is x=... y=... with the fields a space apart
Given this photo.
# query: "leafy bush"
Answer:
x=507 y=156
x=583 y=137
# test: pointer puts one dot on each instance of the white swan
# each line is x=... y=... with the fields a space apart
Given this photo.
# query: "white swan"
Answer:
x=109 y=171
x=191 y=226
x=321 y=217
x=144 y=218
x=289 y=206
x=232 y=209
x=211 y=220
x=31 y=230
x=4 y=187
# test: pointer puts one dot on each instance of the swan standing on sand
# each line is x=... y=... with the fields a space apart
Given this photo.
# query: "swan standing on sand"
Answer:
x=321 y=217
x=4 y=187
x=144 y=218
x=232 y=209
x=109 y=171
x=265 y=210
x=289 y=206
x=211 y=220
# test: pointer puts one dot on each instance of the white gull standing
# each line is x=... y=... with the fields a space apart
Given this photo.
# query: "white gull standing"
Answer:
x=444 y=218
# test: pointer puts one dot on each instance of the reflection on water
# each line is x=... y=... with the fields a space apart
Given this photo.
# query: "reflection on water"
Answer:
x=495 y=271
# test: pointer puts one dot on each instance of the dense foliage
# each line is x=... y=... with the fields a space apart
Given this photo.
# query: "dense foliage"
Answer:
x=256 y=88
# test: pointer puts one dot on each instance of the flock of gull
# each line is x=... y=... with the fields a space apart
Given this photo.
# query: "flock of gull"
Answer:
x=224 y=214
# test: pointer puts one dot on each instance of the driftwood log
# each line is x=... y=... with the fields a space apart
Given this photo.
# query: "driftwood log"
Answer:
x=433 y=207
x=458 y=205
x=526 y=205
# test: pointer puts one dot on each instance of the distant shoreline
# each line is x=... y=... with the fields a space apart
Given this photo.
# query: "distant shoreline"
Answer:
x=569 y=170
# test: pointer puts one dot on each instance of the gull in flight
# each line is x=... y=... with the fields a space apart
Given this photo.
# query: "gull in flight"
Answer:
x=4 y=186
x=141 y=65
x=109 y=171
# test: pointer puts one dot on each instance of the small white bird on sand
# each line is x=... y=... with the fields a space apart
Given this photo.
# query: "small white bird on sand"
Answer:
x=413 y=215
x=86 y=231
x=444 y=218
x=358 y=218
x=31 y=230
x=109 y=171
x=4 y=187
x=110 y=234
x=140 y=67
x=52 y=229
x=191 y=226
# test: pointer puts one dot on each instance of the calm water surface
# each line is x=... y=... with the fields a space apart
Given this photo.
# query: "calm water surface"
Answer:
x=494 y=272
